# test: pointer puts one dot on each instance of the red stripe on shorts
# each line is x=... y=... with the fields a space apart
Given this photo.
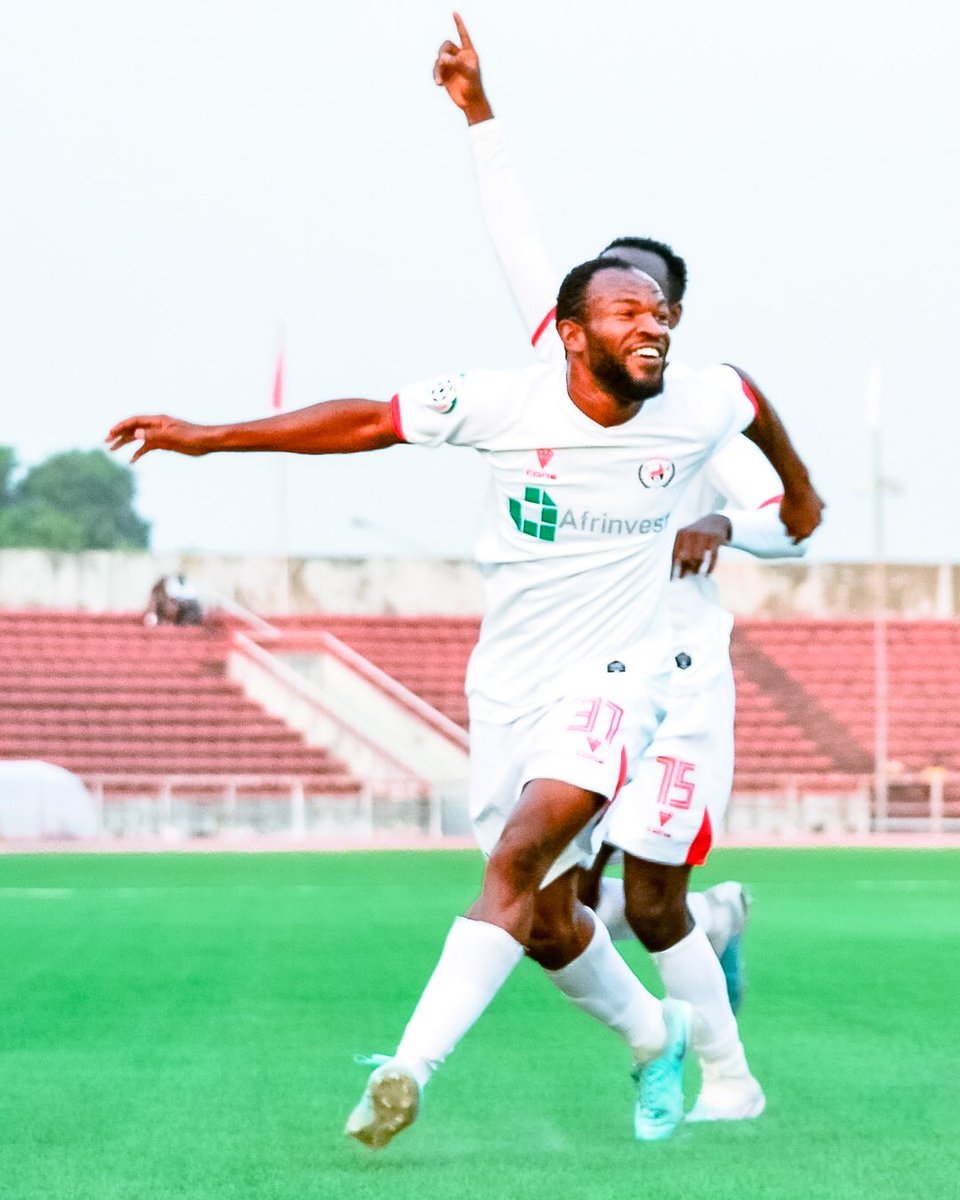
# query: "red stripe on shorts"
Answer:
x=700 y=846
x=622 y=777
x=772 y=500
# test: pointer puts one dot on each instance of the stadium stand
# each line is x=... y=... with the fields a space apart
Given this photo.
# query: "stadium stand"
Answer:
x=805 y=693
x=824 y=671
x=101 y=694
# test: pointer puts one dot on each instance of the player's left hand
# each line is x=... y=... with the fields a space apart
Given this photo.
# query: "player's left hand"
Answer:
x=458 y=70
x=696 y=546
x=801 y=511
x=159 y=433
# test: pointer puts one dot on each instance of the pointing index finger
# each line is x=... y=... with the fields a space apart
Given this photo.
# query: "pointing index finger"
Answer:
x=465 y=40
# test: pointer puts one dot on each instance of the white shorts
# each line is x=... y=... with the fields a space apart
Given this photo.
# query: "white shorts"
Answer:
x=593 y=740
x=678 y=797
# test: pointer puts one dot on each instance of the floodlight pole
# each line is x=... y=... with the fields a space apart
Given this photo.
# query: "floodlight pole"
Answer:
x=881 y=672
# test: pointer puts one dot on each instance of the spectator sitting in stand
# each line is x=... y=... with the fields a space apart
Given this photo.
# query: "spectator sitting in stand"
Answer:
x=174 y=601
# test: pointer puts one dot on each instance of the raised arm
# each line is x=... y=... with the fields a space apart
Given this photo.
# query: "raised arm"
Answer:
x=334 y=427
x=507 y=213
x=801 y=509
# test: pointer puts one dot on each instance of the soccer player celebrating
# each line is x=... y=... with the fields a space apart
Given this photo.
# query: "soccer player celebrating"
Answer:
x=569 y=678
x=665 y=817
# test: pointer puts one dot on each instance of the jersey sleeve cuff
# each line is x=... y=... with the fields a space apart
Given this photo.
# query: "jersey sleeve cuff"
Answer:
x=750 y=395
x=396 y=416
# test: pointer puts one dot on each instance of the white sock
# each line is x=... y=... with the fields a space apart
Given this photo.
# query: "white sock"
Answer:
x=475 y=962
x=600 y=983
x=612 y=909
x=691 y=971
x=701 y=910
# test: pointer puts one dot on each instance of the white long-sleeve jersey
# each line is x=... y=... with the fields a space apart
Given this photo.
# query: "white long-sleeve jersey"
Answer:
x=737 y=481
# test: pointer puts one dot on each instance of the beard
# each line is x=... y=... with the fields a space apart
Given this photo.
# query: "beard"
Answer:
x=616 y=380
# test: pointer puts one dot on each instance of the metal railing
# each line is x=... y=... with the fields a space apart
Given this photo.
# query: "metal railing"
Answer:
x=185 y=806
x=178 y=806
x=927 y=801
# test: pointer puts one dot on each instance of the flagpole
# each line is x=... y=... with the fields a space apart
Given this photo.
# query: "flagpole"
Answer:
x=881 y=670
x=284 y=532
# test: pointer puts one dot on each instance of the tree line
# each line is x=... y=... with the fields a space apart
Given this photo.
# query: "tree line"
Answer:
x=76 y=500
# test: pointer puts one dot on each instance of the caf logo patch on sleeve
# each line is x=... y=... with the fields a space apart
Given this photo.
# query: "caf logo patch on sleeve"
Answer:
x=443 y=396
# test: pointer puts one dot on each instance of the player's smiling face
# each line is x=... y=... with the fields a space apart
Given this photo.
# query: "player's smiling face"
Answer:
x=627 y=333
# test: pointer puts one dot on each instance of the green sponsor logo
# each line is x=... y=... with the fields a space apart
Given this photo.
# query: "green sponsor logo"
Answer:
x=535 y=515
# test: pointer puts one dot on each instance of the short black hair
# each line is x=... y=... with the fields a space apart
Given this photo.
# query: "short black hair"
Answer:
x=676 y=267
x=572 y=296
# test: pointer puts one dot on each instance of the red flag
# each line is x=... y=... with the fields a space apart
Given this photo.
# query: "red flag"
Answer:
x=277 y=398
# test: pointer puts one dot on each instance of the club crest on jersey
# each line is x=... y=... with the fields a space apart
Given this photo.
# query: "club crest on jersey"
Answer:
x=544 y=456
x=443 y=396
x=656 y=472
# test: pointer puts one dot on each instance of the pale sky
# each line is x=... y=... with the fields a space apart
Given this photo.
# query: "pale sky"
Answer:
x=182 y=180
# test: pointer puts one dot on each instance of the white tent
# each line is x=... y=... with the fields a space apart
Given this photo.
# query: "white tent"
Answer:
x=39 y=800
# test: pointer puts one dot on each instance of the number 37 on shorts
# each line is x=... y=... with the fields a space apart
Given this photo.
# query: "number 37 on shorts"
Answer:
x=598 y=716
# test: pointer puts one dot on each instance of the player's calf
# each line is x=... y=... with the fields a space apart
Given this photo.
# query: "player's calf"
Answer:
x=655 y=896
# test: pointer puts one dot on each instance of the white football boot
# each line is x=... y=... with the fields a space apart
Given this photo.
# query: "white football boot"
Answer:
x=389 y=1103
x=726 y=1098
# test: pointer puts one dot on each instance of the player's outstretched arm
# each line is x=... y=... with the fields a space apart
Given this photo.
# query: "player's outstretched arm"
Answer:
x=334 y=427
x=801 y=509
x=507 y=213
x=457 y=69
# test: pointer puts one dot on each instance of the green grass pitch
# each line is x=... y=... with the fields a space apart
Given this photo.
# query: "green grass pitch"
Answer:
x=182 y=1026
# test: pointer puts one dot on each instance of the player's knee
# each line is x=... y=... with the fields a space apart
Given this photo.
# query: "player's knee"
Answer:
x=553 y=944
x=657 y=917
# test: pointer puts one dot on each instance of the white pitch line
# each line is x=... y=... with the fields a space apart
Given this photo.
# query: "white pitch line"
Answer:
x=905 y=885
x=36 y=893
x=147 y=890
